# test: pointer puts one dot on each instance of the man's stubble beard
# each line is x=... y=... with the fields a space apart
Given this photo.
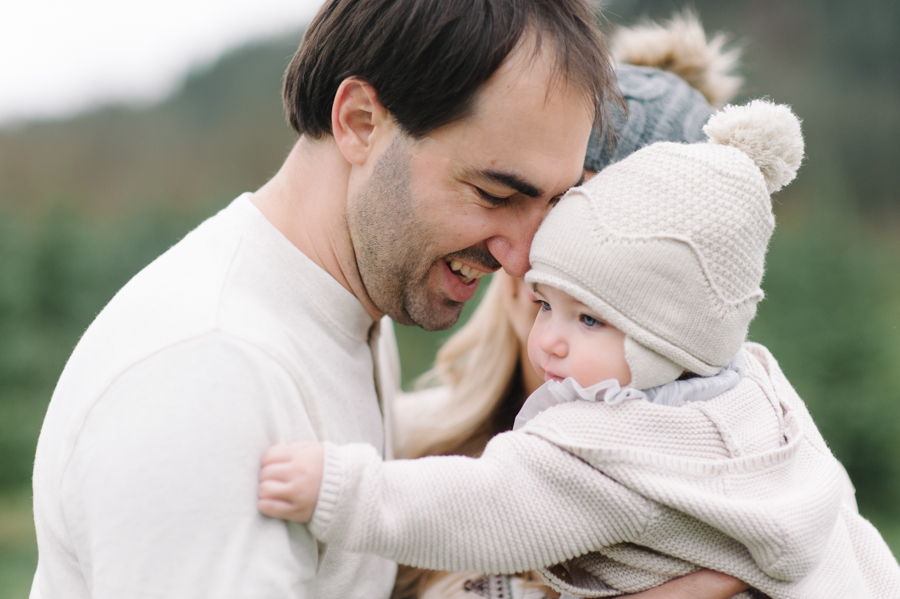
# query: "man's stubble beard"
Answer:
x=392 y=245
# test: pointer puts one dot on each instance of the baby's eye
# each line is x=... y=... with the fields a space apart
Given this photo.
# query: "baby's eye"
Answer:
x=543 y=305
x=590 y=321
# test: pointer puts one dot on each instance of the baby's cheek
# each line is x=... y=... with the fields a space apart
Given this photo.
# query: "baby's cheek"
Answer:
x=534 y=350
x=623 y=371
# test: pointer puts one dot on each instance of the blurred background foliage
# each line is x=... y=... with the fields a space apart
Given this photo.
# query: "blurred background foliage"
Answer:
x=87 y=202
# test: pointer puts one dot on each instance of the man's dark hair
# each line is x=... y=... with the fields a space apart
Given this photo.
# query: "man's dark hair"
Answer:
x=427 y=59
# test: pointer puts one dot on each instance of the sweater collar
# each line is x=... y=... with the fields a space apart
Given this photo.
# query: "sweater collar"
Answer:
x=332 y=302
x=672 y=394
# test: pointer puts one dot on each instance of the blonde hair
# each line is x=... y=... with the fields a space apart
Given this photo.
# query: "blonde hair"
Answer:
x=479 y=365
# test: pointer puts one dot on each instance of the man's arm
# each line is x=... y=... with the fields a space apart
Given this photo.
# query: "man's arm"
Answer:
x=160 y=491
x=702 y=584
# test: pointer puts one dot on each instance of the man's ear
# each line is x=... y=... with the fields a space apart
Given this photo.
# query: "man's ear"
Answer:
x=357 y=117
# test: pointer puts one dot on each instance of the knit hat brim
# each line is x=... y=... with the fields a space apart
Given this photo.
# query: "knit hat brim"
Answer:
x=551 y=277
x=654 y=288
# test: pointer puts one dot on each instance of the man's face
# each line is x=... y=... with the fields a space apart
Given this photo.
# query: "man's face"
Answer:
x=437 y=213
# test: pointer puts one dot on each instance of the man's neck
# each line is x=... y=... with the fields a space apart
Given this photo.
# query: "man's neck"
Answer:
x=307 y=201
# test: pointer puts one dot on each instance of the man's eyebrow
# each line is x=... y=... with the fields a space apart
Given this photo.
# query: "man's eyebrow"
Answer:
x=512 y=181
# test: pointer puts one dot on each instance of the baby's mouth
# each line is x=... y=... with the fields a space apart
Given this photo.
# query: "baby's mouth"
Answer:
x=549 y=375
x=466 y=273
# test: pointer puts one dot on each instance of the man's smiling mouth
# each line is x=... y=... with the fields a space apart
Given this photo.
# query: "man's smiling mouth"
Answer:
x=466 y=274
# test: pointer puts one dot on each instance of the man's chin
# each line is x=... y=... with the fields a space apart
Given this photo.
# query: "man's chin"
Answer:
x=430 y=304
x=434 y=316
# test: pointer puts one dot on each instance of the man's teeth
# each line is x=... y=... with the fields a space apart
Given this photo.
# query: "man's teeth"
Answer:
x=468 y=274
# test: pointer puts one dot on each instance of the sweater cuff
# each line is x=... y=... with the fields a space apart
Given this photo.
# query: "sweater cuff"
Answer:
x=329 y=490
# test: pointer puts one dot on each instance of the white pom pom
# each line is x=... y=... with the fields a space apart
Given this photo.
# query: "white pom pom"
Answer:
x=769 y=133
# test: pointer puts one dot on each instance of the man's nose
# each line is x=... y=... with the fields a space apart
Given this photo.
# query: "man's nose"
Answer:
x=512 y=246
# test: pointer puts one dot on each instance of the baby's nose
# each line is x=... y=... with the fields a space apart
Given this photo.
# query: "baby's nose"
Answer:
x=553 y=342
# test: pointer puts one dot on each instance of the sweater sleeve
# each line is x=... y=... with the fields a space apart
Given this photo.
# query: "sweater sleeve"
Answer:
x=524 y=504
x=160 y=491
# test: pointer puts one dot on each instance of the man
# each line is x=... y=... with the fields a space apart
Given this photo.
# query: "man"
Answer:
x=433 y=137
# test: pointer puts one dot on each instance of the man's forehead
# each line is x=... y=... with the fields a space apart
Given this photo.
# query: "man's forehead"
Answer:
x=533 y=79
x=532 y=146
x=519 y=137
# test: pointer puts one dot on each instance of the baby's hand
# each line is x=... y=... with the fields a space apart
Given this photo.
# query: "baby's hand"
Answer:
x=289 y=480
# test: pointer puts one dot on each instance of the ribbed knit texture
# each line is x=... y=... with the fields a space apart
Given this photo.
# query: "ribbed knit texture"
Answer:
x=623 y=497
x=661 y=107
x=639 y=244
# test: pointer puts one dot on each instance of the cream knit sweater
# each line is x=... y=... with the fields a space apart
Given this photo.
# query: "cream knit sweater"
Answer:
x=623 y=497
x=147 y=466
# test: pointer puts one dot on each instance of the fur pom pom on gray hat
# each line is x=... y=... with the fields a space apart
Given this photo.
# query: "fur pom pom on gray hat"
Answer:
x=668 y=245
x=673 y=77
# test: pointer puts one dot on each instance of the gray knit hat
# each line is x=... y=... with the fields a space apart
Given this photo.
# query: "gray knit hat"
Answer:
x=661 y=107
x=668 y=245
x=673 y=77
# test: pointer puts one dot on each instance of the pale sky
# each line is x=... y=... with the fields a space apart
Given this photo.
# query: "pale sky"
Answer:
x=60 y=57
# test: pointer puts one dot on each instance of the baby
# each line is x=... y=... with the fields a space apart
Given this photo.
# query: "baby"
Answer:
x=661 y=442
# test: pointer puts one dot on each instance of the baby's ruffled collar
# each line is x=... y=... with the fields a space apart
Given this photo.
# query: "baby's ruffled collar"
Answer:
x=675 y=394
x=608 y=391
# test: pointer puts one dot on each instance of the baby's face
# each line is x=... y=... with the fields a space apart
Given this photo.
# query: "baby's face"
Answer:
x=569 y=339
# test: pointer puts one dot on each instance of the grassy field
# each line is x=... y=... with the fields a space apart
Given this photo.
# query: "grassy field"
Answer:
x=18 y=548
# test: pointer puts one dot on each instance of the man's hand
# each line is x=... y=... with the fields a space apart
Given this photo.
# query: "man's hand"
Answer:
x=703 y=584
x=289 y=480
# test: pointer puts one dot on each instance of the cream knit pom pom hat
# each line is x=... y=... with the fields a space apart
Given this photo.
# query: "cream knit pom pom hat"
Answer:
x=668 y=245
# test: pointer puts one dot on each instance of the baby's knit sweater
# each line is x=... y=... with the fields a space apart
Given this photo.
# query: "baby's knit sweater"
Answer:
x=610 y=499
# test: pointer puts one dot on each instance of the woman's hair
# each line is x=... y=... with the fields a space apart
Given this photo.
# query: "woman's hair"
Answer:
x=479 y=366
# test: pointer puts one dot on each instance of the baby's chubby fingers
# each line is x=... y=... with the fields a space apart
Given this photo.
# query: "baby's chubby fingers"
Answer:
x=275 y=490
x=274 y=508
x=290 y=477
x=275 y=499
x=285 y=452
x=276 y=471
